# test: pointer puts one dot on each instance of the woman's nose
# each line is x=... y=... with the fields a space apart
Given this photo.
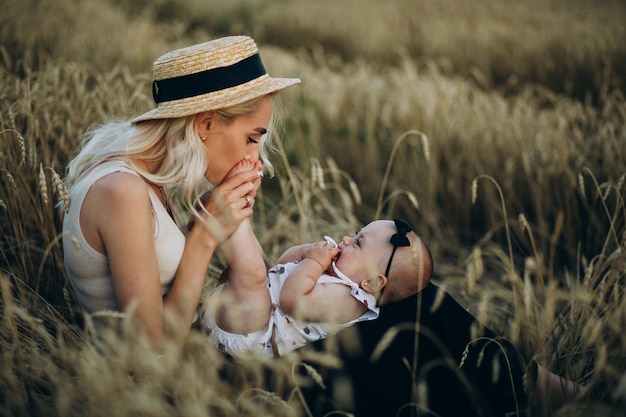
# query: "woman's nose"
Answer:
x=253 y=154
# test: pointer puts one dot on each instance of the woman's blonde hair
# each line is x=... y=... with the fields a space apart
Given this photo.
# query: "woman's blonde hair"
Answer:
x=173 y=145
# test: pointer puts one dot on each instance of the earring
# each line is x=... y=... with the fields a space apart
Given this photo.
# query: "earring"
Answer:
x=203 y=138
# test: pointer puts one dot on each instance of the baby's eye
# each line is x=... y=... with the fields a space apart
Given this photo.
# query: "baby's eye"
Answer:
x=252 y=140
x=358 y=242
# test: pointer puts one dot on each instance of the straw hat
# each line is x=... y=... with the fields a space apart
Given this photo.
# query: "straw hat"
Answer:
x=208 y=76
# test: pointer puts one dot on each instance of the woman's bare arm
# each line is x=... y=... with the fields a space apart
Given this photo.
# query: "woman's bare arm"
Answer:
x=128 y=244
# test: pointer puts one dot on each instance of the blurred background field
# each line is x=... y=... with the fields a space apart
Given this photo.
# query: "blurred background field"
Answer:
x=496 y=128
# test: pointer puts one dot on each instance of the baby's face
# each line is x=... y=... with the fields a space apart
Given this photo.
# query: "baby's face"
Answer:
x=365 y=254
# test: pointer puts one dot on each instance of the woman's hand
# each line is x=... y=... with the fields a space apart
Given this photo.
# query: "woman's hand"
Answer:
x=223 y=208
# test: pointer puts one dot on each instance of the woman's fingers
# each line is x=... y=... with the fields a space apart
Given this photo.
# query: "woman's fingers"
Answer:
x=248 y=201
x=232 y=200
x=227 y=207
x=235 y=180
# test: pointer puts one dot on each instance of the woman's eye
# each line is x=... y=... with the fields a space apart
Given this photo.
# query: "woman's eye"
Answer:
x=252 y=140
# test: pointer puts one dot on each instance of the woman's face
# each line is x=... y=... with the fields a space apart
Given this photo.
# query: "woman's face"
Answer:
x=228 y=143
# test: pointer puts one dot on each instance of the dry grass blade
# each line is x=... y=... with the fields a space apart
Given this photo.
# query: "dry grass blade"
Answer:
x=426 y=149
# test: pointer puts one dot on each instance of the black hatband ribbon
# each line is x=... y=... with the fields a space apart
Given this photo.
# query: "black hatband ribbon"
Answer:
x=208 y=81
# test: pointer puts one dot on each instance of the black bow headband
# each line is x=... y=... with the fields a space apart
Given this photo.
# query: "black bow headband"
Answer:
x=398 y=239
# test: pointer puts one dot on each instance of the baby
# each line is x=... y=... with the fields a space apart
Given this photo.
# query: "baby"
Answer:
x=314 y=289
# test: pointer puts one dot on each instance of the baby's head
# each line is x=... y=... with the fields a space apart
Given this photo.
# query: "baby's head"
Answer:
x=409 y=267
x=387 y=258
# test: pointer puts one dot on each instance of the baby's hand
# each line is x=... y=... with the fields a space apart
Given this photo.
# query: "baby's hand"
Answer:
x=323 y=253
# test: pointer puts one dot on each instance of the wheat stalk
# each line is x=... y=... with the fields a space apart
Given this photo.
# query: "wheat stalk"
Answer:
x=396 y=145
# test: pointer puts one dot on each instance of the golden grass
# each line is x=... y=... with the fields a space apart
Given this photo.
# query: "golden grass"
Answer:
x=497 y=129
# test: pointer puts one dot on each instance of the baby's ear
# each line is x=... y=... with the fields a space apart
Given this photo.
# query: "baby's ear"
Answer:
x=375 y=284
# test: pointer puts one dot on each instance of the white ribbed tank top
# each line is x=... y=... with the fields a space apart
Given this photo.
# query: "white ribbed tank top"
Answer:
x=88 y=270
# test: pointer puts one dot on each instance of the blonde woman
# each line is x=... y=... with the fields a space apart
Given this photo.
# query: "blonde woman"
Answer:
x=124 y=250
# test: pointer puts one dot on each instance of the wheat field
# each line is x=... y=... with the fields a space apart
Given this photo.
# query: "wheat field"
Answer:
x=496 y=128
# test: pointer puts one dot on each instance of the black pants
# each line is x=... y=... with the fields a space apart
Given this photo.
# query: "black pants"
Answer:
x=419 y=358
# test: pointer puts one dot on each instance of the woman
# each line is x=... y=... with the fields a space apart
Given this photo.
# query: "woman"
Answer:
x=123 y=249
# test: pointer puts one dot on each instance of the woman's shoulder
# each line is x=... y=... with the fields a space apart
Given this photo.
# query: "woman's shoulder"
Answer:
x=121 y=196
x=120 y=183
x=98 y=171
x=119 y=191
